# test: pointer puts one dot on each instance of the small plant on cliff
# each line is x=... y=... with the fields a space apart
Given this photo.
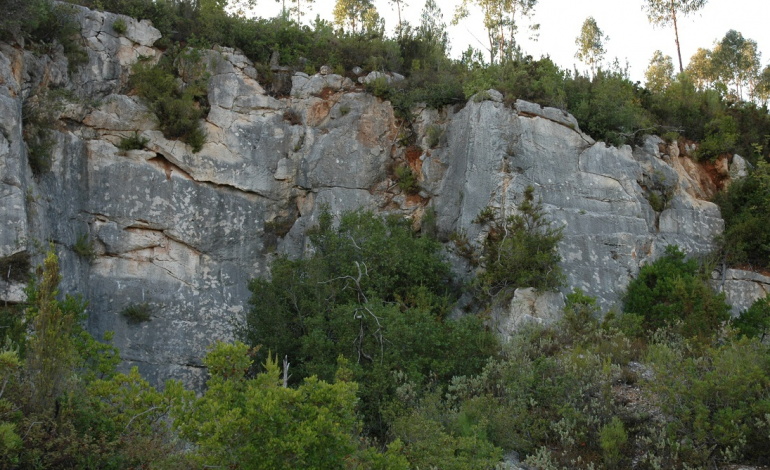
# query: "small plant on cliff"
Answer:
x=120 y=26
x=434 y=133
x=407 y=180
x=133 y=142
x=84 y=247
x=137 y=313
x=178 y=109
x=520 y=251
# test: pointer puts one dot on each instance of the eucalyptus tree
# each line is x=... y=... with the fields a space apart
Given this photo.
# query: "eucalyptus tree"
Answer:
x=500 y=22
x=356 y=16
x=664 y=12
x=298 y=10
x=590 y=44
x=399 y=5
x=660 y=72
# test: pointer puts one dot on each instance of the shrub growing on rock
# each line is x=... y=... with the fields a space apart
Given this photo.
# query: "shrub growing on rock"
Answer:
x=520 y=251
x=674 y=289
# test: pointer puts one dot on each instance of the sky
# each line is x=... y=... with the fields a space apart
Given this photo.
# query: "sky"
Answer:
x=632 y=38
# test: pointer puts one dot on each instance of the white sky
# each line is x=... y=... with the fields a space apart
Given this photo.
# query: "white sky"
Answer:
x=632 y=37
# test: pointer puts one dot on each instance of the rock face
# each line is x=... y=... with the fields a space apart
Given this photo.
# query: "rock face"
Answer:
x=181 y=233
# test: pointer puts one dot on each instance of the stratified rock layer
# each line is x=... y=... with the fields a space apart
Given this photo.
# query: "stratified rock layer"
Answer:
x=184 y=232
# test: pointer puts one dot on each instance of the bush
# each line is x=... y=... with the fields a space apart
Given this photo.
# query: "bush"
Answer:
x=133 y=142
x=137 y=313
x=178 y=110
x=374 y=292
x=434 y=133
x=755 y=321
x=714 y=404
x=120 y=26
x=745 y=207
x=674 y=289
x=407 y=181
x=521 y=251
x=84 y=247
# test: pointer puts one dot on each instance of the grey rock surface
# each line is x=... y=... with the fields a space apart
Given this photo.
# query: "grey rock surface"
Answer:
x=528 y=306
x=184 y=232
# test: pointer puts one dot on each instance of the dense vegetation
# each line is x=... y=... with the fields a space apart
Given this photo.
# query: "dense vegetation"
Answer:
x=376 y=376
x=356 y=356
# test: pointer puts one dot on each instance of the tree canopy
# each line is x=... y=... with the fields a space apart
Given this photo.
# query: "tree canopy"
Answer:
x=664 y=13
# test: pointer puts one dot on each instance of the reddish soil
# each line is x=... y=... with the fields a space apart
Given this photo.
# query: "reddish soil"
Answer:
x=713 y=173
x=413 y=154
x=327 y=93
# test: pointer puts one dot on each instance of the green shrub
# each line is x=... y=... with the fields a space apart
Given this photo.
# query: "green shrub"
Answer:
x=613 y=438
x=137 y=313
x=745 y=207
x=133 y=142
x=434 y=133
x=714 y=403
x=15 y=267
x=407 y=180
x=755 y=321
x=178 y=110
x=673 y=289
x=120 y=26
x=84 y=247
x=39 y=116
x=521 y=251
x=376 y=293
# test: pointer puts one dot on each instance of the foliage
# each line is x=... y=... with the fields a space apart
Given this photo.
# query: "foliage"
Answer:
x=407 y=180
x=178 y=109
x=137 y=313
x=39 y=115
x=374 y=292
x=433 y=133
x=499 y=19
x=259 y=421
x=660 y=72
x=745 y=207
x=755 y=321
x=520 y=251
x=674 y=289
x=133 y=142
x=119 y=26
x=84 y=247
x=664 y=13
x=713 y=401
x=591 y=44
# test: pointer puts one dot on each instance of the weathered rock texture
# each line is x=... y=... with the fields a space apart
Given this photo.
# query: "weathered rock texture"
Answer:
x=184 y=232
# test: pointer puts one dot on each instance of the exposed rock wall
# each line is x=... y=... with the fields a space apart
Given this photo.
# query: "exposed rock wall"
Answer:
x=184 y=232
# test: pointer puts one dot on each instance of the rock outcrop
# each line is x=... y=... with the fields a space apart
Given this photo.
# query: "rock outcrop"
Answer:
x=183 y=232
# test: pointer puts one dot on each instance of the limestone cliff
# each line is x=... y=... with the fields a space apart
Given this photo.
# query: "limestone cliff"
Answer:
x=184 y=232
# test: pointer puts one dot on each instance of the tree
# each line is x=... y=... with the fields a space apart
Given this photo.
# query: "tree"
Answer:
x=500 y=22
x=660 y=72
x=51 y=350
x=297 y=8
x=399 y=4
x=737 y=62
x=701 y=69
x=432 y=27
x=663 y=13
x=590 y=44
x=260 y=424
x=356 y=16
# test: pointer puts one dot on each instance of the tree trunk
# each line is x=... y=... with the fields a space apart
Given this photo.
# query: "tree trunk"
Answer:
x=676 y=33
x=398 y=7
